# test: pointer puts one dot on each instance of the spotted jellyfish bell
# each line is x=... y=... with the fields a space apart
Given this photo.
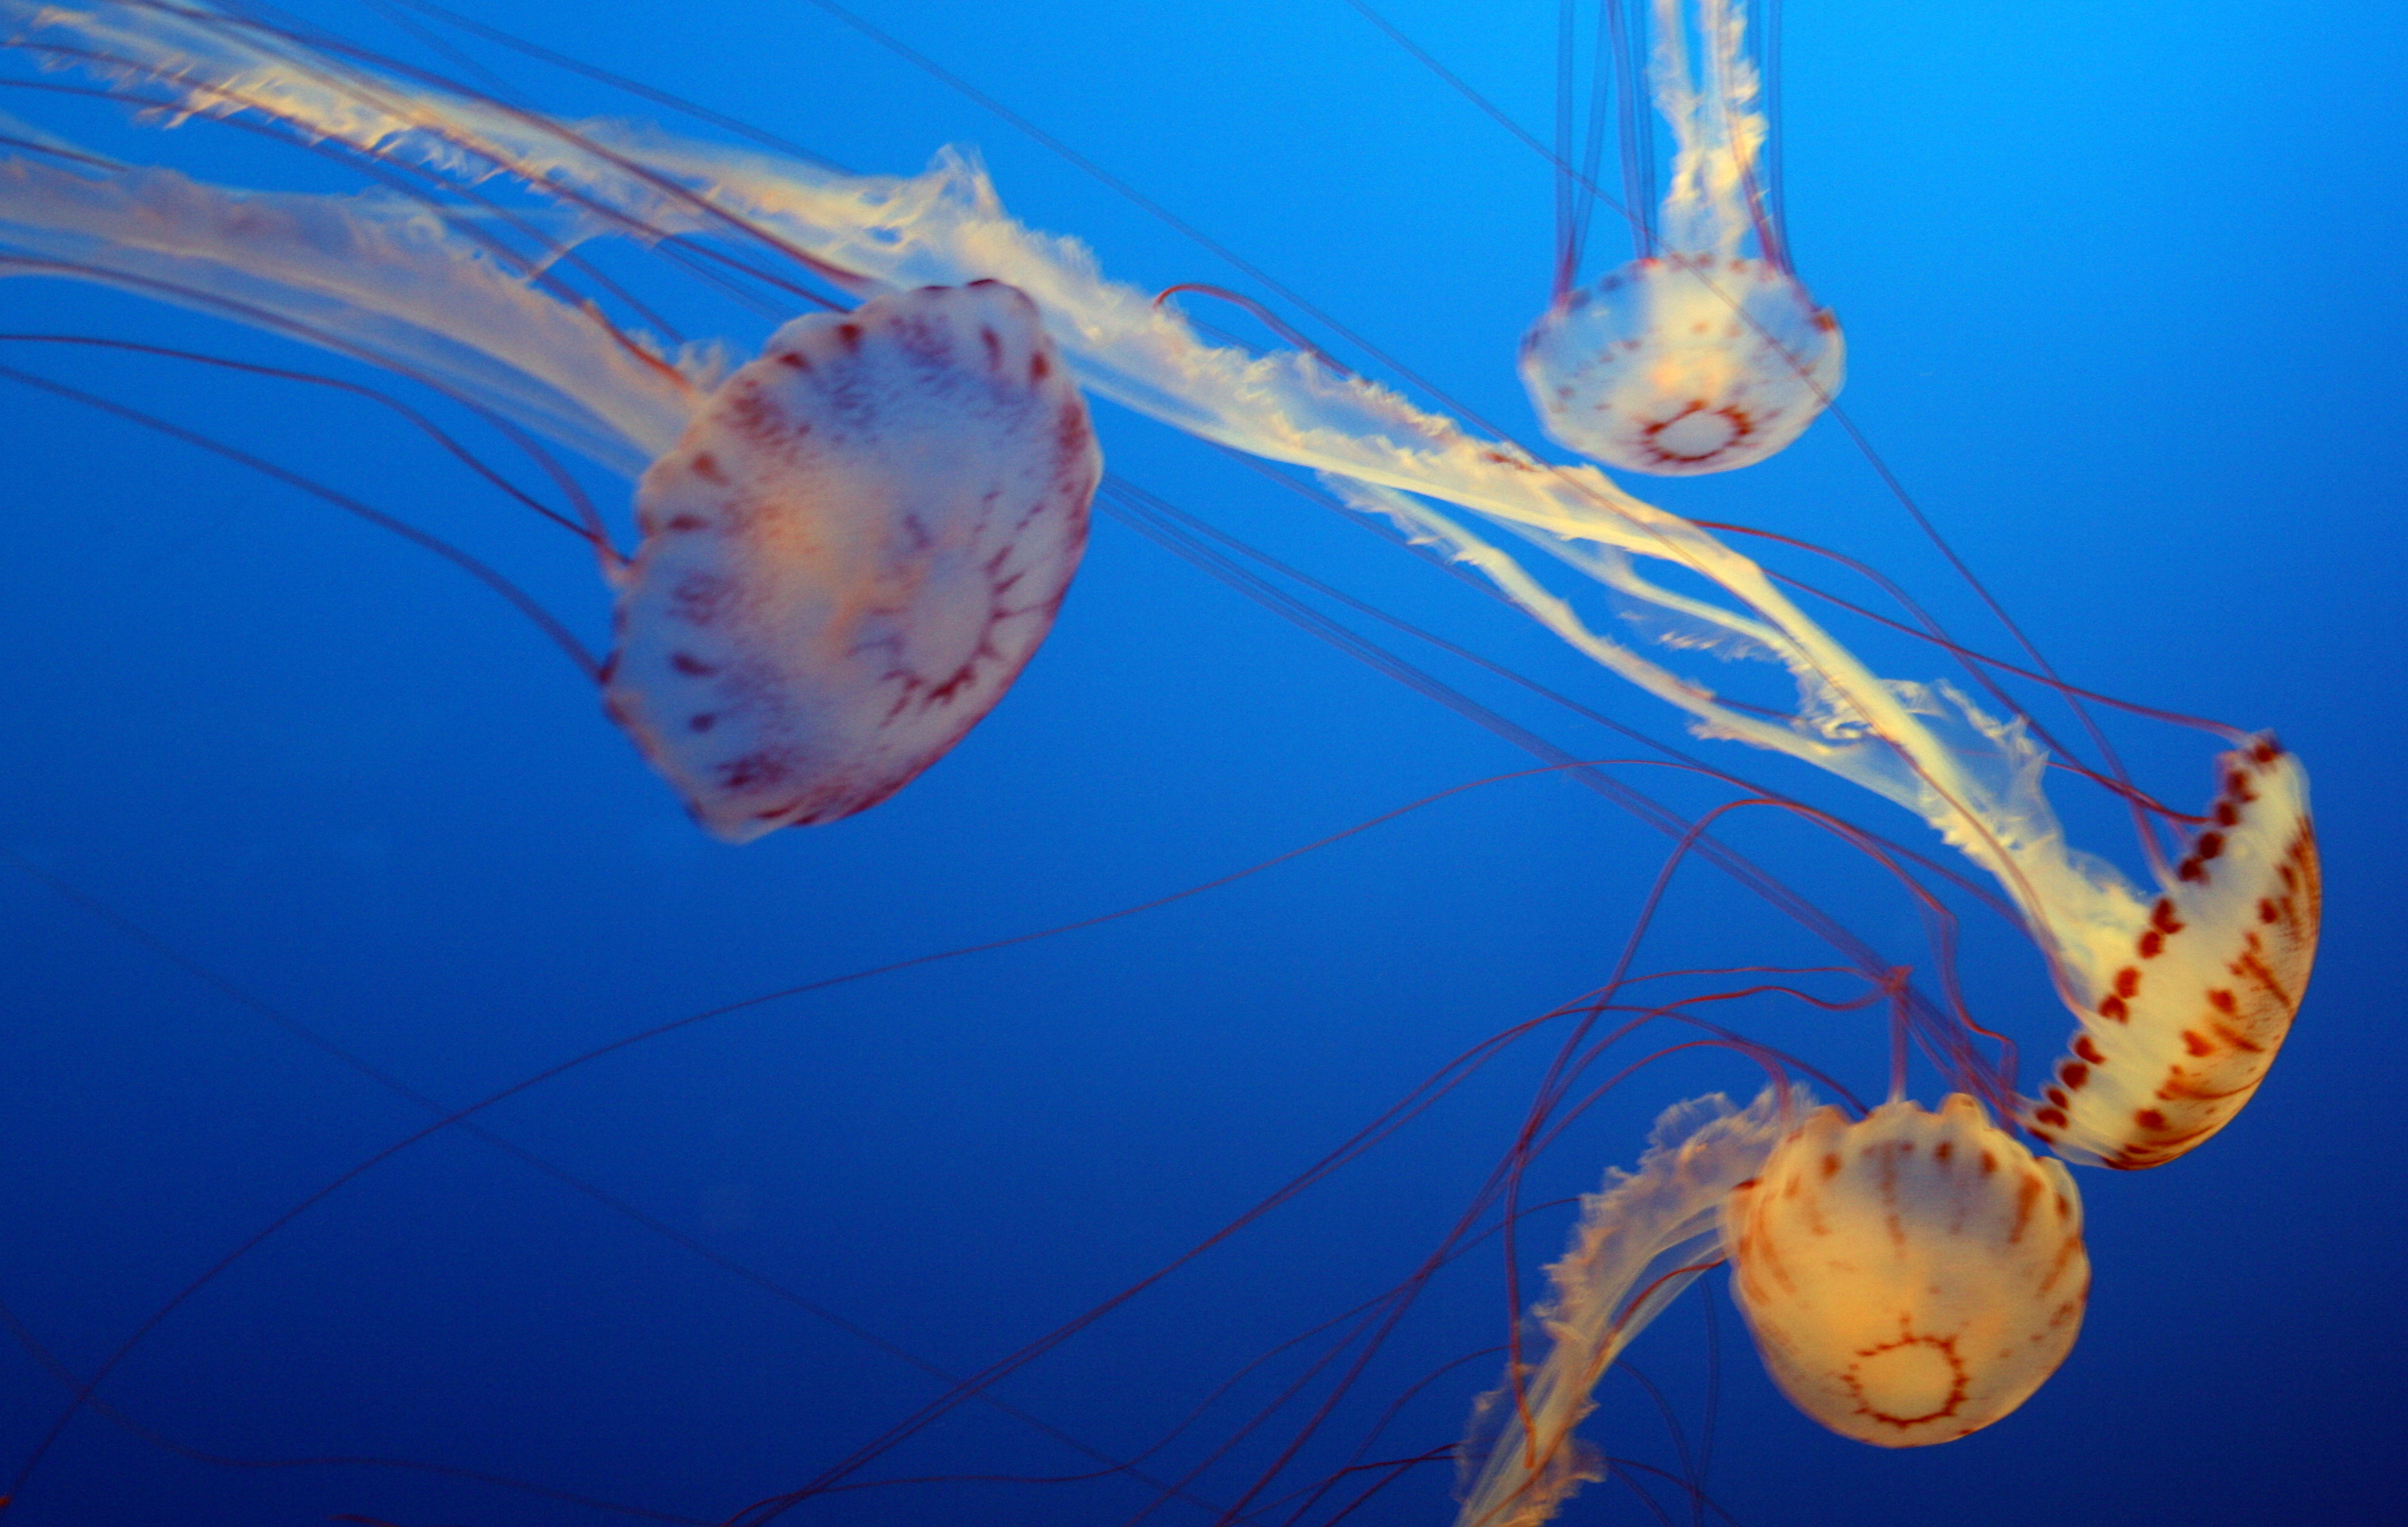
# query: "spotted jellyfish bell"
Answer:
x=1683 y=363
x=1910 y=1278
x=2183 y=1001
x=858 y=543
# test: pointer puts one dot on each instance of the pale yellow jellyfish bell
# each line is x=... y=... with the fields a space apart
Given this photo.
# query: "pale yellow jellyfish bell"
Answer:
x=2184 y=1006
x=1910 y=1277
x=858 y=545
x=1693 y=358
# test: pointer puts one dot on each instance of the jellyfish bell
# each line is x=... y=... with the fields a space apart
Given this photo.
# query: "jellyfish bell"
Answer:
x=1910 y=1278
x=1679 y=365
x=1694 y=357
x=2185 y=1001
x=855 y=548
x=949 y=226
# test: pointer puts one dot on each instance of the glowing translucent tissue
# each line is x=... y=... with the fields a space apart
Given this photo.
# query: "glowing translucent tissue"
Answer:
x=850 y=546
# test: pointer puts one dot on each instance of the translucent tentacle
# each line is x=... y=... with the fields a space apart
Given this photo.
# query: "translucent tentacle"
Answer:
x=377 y=276
x=1641 y=1241
x=1717 y=131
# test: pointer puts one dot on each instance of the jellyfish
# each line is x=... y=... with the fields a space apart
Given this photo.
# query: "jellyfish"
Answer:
x=850 y=546
x=1695 y=357
x=851 y=552
x=1390 y=460
x=1909 y=1277
x=2182 y=1012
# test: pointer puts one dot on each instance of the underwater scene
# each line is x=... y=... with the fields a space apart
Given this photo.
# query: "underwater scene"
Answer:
x=890 y=762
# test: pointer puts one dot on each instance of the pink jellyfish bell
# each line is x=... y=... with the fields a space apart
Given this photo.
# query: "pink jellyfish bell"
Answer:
x=1693 y=358
x=1910 y=1278
x=859 y=542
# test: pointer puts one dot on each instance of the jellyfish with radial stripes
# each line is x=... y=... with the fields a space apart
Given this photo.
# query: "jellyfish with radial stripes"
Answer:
x=2183 y=1005
x=849 y=554
x=1909 y=1277
x=1705 y=352
x=850 y=546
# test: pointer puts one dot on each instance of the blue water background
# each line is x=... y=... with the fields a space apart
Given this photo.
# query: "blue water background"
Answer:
x=2121 y=286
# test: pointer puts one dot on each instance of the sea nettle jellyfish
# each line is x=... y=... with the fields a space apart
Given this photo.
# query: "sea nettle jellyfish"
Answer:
x=1695 y=356
x=854 y=538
